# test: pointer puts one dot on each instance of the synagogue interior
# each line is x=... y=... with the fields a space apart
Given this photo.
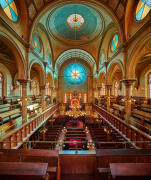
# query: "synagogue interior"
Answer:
x=75 y=89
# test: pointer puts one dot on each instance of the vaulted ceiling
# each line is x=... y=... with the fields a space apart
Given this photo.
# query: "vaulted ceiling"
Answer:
x=36 y=6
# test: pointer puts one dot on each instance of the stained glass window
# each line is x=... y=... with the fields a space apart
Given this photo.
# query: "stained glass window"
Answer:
x=75 y=74
x=85 y=98
x=49 y=59
x=143 y=9
x=47 y=89
x=35 y=88
x=101 y=59
x=10 y=9
x=149 y=85
x=114 y=43
x=1 y=84
x=65 y=98
x=103 y=90
x=116 y=86
x=75 y=21
x=37 y=43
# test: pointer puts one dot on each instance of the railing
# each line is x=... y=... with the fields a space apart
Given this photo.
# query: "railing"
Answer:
x=131 y=132
x=83 y=145
x=19 y=135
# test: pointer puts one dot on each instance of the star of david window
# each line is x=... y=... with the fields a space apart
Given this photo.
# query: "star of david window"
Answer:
x=75 y=74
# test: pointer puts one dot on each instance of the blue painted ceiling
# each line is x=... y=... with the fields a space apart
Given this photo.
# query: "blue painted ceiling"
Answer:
x=58 y=26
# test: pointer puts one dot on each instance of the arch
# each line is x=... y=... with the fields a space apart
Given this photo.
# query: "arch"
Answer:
x=103 y=5
x=1 y=84
x=7 y=84
x=139 y=49
x=19 y=59
x=74 y=53
x=115 y=70
x=46 y=42
x=40 y=69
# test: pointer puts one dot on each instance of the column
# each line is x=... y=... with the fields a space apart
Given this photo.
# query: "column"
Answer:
x=128 y=93
x=108 y=94
x=23 y=84
x=99 y=95
x=90 y=90
x=42 y=91
x=51 y=95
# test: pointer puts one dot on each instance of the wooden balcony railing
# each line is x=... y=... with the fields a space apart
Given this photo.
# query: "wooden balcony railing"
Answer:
x=16 y=137
x=141 y=139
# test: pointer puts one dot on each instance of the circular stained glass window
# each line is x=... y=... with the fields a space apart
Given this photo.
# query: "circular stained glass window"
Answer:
x=10 y=9
x=143 y=9
x=114 y=43
x=75 y=21
x=37 y=43
x=75 y=74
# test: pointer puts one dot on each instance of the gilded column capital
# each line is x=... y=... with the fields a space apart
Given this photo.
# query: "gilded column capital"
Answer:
x=108 y=86
x=43 y=87
x=128 y=82
x=23 y=82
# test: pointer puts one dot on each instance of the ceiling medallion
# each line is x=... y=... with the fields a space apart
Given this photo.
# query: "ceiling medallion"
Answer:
x=75 y=21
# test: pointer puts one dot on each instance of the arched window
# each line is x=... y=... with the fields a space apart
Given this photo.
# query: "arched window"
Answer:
x=10 y=9
x=103 y=89
x=65 y=98
x=149 y=84
x=114 y=43
x=102 y=59
x=80 y=95
x=47 y=88
x=1 y=84
x=50 y=59
x=37 y=43
x=143 y=9
x=70 y=96
x=85 y=98
x=116 y=86
x=35 y=88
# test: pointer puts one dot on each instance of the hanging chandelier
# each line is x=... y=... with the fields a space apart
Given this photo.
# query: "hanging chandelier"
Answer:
x=75 y=111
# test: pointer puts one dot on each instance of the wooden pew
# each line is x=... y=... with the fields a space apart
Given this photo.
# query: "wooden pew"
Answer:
x=107 y=156
x=34 y=156
x=135 y=171
x=23 y=171
x=144 y=116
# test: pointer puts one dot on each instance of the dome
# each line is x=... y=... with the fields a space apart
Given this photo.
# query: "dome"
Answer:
x=75 y=23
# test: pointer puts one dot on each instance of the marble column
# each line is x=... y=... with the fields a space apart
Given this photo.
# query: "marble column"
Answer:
x=90 y=90
x=51 y=95
x=23 y=84
x=128 y=93
x=108 y=96
x=99 y=95
x=42 y=92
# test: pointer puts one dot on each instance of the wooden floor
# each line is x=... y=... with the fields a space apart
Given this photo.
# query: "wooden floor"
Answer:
x=77 y=177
